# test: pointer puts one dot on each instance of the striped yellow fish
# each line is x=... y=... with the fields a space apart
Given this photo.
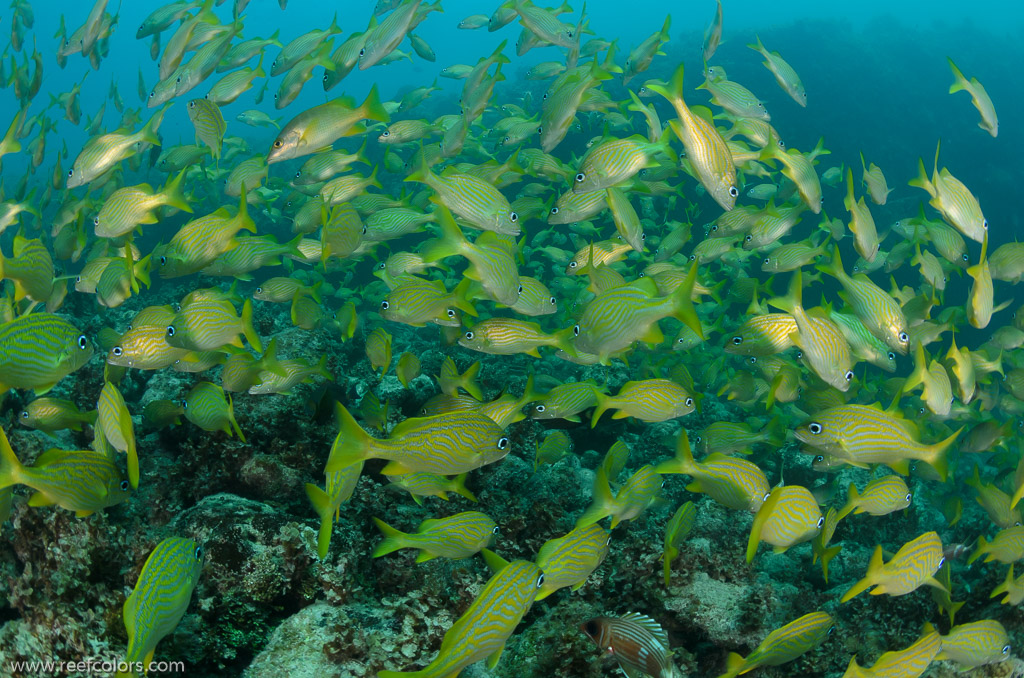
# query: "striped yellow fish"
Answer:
x=327 y=503
x=459 y=536
x=763 y=335
x=54 y=414
x=408 y=368
x=955 y=201
x=102 y=152
x=862 y=224
x=145 y=347
x=732 y=482
x=38 y=350
x=632 y=499
x=647 y=400
x=317 y=128
x=784 y=644
x=209 y=124
x=997 y=504
x=784 y=74
x=732 y=96
x=199 y=242
x=569 y=560
x=378 y=350
x=797 y=167
x=1006 y=547
x=492 y=263
x=114 y=423
x=874 y=180
x=30 y=268
x=572 y=207
x=534 y=298
x=509 y=336
x=447 y=444
x=937 y=391
x=289 y=374
x=881 y=496
x=705 y=148
x=788 y=516
x=210 y=409
x=471 y=198
x=555 y=446
x=131 y=206
x=83 y=481
x=160 y=599
x=979 y=97
x=676 y=532
x=876 y=308
x=615 y=161
x=209 y=325
x=420 y=485
x=976 y=644
x=482 y=630
x=910 y=662
x=914 y=565
x=863 y=434
x=567 y=401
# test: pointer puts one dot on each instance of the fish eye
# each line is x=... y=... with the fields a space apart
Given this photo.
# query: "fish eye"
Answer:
x=502 y=443
x=298 y=174
x=749 y=238
x=117 y=351
x=553 y=301
x=819 y=458
x=259 y=290
x=554 y=210
x=170 y=330
x=733 y=191
x=382 y=265
x=178 y=80
x=277 y=143
x=908 y=497
x=163 y=261
x=513 y=217
x=506 y=139
x=199 y=553
x=693 y=257
x=540 y=582
x=24 y=414
x=386 y=133
x=799 y=355
x=892 y=356
x=96 y=220
x=767 y=260
x=540 y=130
x=520 y=289
x=324 y=78
x=984 y=224
x=362 y=52
x=581 y=177
x=575 y=330
x=766 y=495
x=689 y=402
x=451 y=313
x=821 y=521
x=495 y=530
x=539 y=408
x=192 y=104
x=965 y=257
x=384 y=305
x=82 y=342
x=942 y=561
x=78 y=278
x=737 y=340
x=184 y=404
x=920 y=410
x=152 y=94
x=697 y=439
x=904 y=337
x=714 y=228
x=573 y=264
x=848 y=375
x=753 y=360
x=830 y=630
x=814 y=428
x=1006 y=649
x=469 y=336
x=71 y=173
x=124 y=485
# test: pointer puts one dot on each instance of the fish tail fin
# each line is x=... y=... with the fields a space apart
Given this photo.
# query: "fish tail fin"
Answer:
x=1004 y=587
x=922 y=180
x=274 y=38
x=938 y=457
x=833 y=267
x=10 y=142
x=776 y=431
x=373 y=109
x=314 y=290
x=874 y=567
x=530 y=393
x=563 y=339
x=733 y=665
x=920 y=372
x=979 y=550
x=682 y=303
x=683 y=462
x=794 y=297
x=603 y=404
x=452 y=240
x=497 y=56
x=393 y=539
x=461 y=297
x=674 y=90
x=959 y=81
x=467 y=381
x=258 y=72
x=173 y=194
x=826 y=556
x=269 y=361
x=152 y=126
x=231 y=418
x=352 y=444
x=243 y=218
x=603 y=504
x=322 y=505
x=321 y=369
x=10 y=466
x=247 y=327
x=334 y=27
x=851 y=498
x=459 y=487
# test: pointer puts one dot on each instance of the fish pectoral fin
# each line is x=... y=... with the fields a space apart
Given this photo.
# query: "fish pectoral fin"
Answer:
x=492 y=660
x=82 y=513
x=424 y=556
x=394 y=468
x=40 y=499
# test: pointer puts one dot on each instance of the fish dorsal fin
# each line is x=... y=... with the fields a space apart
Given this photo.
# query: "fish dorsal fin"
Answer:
x=649 y=625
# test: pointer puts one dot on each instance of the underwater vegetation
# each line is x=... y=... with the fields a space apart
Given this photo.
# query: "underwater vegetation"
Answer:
x=595 y=365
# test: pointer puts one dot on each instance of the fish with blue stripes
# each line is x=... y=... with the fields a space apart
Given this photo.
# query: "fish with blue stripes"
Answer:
x=880 y=497
x=481 y=632
x=38 y=350
x=114 y=423
x=913 y=566
x=641 y=490
x=209 y=408
x=676 y=531
x=732 y=482
x=788 y=516
x=459 y=536
x=975 y=644
x=160 y=599
x=784 y=644
x=569 y=560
